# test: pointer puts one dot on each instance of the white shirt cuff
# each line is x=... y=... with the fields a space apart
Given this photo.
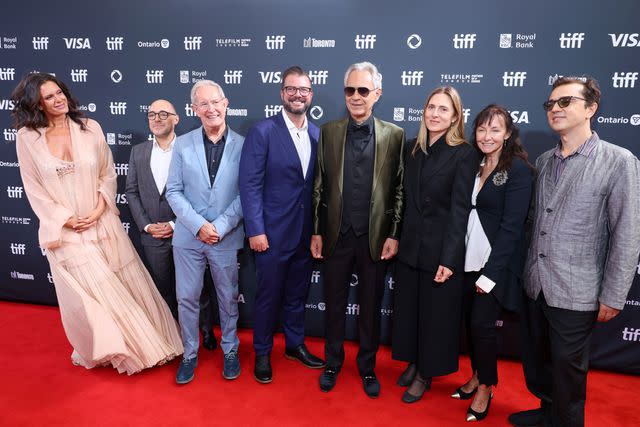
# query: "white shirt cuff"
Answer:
x=485 y=283
x=146 y=227
x=172 y=224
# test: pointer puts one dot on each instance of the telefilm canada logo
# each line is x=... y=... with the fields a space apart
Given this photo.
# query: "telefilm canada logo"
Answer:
x=461 y=78
x=233 y=42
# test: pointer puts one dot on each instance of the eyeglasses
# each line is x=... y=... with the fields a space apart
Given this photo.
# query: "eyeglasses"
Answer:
x=563 y=102
x=163 y=115
x=292 y=90
x=205 y=105
x=362 y=91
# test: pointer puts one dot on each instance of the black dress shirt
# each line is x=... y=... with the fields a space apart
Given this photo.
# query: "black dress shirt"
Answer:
x=214 y=153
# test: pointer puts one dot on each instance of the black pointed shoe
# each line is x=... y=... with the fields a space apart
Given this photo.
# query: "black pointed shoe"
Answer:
x=262 y=370
x=304 y=356
x=463 y=395
x=479 y=416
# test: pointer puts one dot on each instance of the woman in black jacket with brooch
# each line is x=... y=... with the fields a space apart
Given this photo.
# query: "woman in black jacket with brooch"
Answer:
x=439 y=170
x=495 y=247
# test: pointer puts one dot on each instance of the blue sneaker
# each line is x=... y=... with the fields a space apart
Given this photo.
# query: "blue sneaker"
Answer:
x=186 y=370
x=231 y=369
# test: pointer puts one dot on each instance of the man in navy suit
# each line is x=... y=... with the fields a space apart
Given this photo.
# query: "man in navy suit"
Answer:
x=276 y=178
x=202 y=189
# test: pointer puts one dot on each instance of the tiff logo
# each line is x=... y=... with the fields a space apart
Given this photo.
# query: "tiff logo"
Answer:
x=9 y=134
x=624 y=80
x=315 y=277
x=154 y=76
x=275 y=42
x=571 y=40
x=14 y=192
x=18 y=248
x=463 y=41
x=271 y=76
x=365 y=41
x=122 y=169
x=188 y=111
x=411 y=78
x=353 y=309
x=514 y=78
x=319 y=77
x=7 y=73
x=40 y=43
x=117 y=108
x=628 y=334
x=79 y=75
x=232 y=77
x=126 y=226
x=50 y=278
x=466 y=112
x=272 y=110
x=625 y=40
x=192 y=42
x=77 y=43
x=115 y=43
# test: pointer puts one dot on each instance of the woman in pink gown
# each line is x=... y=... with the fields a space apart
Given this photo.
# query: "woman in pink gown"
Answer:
x=111 y=310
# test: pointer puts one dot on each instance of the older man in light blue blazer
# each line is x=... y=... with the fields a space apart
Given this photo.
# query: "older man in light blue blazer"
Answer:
x=202 y=190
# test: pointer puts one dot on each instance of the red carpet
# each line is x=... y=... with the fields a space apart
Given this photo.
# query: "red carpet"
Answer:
x=40 y=386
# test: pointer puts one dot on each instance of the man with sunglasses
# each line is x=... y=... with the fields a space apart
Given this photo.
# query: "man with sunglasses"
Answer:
x=583 y=253
x=357 y=207
x=276 y=178
x=202 y=189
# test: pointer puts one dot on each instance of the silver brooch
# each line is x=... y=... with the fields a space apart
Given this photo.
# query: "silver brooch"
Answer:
x=500 y=178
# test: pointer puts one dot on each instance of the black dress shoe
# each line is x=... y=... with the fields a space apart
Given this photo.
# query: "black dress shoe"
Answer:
x=479 y=416
x=406 y=378
x=463 y=395
x=412 y=398
x=304 y=356
x=262 y=369
x=371 y=385
x=209 y=340
x=530 y=417
x=328 y=378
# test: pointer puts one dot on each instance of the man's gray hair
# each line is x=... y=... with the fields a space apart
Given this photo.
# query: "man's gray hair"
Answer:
x=201 y=83
x=365 y=66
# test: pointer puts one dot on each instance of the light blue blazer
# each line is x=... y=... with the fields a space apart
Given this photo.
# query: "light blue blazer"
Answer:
x=195 y=201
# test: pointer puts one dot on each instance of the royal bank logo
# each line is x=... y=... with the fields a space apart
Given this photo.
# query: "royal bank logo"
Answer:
x=119 y=139
x=353 y=309
x=624 y=80
x=14 y=192
x=118 y=108
x=121 y=199
x=8 y=42
x=15 y=220
x=40 y=42
x=272 y=110
x=21 y=276
x=192 y=42
x=270 y=76
x=9 y=134
x=116 y=76
x=233 y=42
x=311 y=42
x=514 y=78
x=625 y=40
x=7 y=74
x=6 y=104
x=633 y=120
x=316 y=112
x=464 y=41
x=184 y=76
x=111 y=138
x=571 y=40
x=188 y=111
x=365 y=41
x=164 y=44
x=318 y=77
x=18 y=248
x=79 y=75
x=77 y=43
x=115 y=43
x=522 y=41
x=154 y=76
x=275 y=42
x=122 y=169
x=192 y=76
x=398 y=114
x=414 y=41
x=631 y=334
x=411 y=78
x=461 y=78
x=232 y=77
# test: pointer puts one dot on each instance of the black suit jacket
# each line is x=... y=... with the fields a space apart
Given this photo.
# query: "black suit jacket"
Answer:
x=502 y=208
x=146 y=204
x=437 y=209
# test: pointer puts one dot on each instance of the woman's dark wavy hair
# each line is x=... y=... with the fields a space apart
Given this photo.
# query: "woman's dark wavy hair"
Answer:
x=26 y=98
x=514 y=147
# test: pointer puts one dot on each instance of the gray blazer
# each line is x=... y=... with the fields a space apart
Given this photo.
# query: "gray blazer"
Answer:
x=586 y=232
x=146 y=204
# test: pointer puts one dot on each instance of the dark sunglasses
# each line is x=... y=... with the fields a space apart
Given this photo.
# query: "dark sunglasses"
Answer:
x=362 y=91
x=562 y=102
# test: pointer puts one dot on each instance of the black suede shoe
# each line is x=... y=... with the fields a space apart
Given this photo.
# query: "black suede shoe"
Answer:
x=406 y=378
x=371 y=385
x=328 y=378
x=531 y=417
x=209 y=340
x=304 y=356
x=422 y=384
x=262 y=370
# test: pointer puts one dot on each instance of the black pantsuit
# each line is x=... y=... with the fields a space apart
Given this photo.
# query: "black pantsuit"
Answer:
x=159 y=261
x=350 y=252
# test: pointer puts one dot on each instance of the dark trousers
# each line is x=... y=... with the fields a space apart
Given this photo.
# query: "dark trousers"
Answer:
x=480 y=313
x=555 y=357
x=159 y=261
x=350 y=252
x=283 y=279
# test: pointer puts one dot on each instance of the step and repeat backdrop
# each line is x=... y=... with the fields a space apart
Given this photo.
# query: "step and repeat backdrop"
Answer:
x=117 y=57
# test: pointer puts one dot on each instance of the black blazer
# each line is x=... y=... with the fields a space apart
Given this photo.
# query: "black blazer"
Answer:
x=437 y=209
x=502 y=207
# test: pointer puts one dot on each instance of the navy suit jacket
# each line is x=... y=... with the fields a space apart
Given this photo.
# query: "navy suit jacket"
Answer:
x=275 y=196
